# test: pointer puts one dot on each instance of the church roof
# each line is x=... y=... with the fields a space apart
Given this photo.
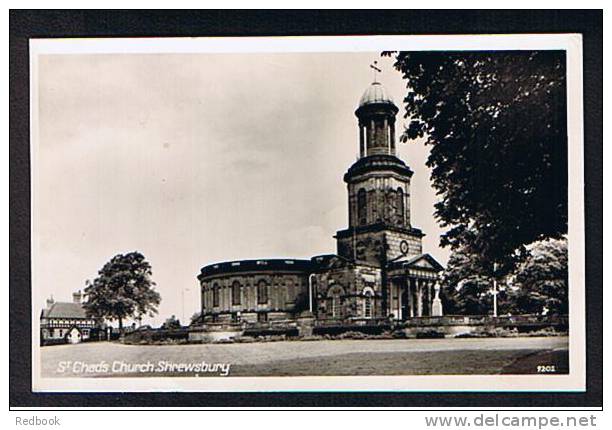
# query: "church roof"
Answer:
x=375 y=94
x=421 y=261
x=262 y=265
x=64 y=310
x=377 y=162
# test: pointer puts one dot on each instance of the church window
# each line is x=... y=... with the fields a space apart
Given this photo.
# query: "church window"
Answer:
x=367 y=302
x=236 y=293
x=400 y=205
x=335 y=298
x=262 y=292
x=361 y=206
x=215 y=295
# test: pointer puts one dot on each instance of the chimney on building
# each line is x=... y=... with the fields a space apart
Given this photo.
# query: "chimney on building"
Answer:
x=50 y=302
x=76 y=297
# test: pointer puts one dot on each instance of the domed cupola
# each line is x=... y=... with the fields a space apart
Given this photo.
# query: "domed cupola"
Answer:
x=375 y=93
x=376 y=114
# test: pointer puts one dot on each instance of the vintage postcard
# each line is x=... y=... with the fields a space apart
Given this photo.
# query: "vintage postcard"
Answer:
x=393 y=213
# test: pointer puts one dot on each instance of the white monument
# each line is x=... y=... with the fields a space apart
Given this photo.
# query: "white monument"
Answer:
x=436 y=305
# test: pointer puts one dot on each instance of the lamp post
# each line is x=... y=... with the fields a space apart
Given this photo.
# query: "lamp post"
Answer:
x=183 y=304
x=495 y=289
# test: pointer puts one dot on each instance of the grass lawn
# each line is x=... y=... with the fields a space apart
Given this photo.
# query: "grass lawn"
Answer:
x=329 y=357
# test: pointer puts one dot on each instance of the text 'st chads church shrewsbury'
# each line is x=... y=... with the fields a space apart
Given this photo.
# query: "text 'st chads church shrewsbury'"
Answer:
x=379 y=270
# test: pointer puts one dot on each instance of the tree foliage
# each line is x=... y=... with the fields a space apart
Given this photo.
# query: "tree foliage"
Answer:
x=467 y=285
x=496 y=124
x=541 y=281
x=537 y=284
x=171 y=323
x=123 y=289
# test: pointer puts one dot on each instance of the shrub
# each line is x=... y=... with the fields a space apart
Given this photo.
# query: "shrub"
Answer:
x=351 y=335
x=430 y=334
x=399 y=334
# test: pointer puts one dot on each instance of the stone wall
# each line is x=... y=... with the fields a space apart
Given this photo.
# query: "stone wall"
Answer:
x=366 y=246
x=348 y=286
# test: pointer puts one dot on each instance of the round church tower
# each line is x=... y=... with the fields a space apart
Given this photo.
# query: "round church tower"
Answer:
x=378 y=187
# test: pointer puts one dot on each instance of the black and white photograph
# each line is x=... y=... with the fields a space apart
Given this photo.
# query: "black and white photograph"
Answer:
x=311 y=213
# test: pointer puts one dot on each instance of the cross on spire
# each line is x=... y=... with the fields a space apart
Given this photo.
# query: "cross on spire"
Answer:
x=376 y=69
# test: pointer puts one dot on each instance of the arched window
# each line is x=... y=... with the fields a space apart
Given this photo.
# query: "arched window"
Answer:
x=215 y=295
x=400 y=206
x=368 y=295
x=262 y=292
x=236 y=293
x=335 y=306
x=362 y=207
x=334 y=295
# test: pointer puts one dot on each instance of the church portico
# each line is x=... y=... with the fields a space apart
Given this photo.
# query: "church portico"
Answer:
x=413 y=284
x=411 y=297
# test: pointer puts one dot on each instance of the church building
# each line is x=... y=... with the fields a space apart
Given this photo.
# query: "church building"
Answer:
x=379 y=270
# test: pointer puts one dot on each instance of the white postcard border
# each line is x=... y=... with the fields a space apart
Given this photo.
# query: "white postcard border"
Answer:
x=575 y=381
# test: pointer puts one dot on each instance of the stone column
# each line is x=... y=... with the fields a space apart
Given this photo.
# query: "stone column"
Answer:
x=413 y=290
x=409 y=297
x=429 y=296
x=372 y=134
x=399 y=301
x=419 y=297
x=426 y=297
x=361 y=141
x=390 y=298
x=385 y=135
x=392 y=137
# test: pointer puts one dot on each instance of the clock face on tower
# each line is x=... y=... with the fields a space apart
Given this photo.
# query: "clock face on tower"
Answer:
x=404 y=247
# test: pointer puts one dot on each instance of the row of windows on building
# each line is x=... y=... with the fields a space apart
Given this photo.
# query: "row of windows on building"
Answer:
x=66 y=322
x=262 y=317
x=334 y=297
x=362 y=205
x=61 y=332
x=262 y=293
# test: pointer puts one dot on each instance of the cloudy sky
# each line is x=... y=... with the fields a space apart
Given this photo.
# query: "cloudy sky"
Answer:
x=197 y=158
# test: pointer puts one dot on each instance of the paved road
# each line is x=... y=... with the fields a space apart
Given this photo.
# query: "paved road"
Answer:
x=251 y=356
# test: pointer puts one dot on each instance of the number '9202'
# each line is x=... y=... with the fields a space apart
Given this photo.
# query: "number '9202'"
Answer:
x=546 y=369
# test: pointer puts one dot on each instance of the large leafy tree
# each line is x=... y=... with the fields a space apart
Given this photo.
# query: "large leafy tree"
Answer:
x=123 y=289
x=496 y=124
x=467 y=285
x=537 y=284
x=541 y=280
